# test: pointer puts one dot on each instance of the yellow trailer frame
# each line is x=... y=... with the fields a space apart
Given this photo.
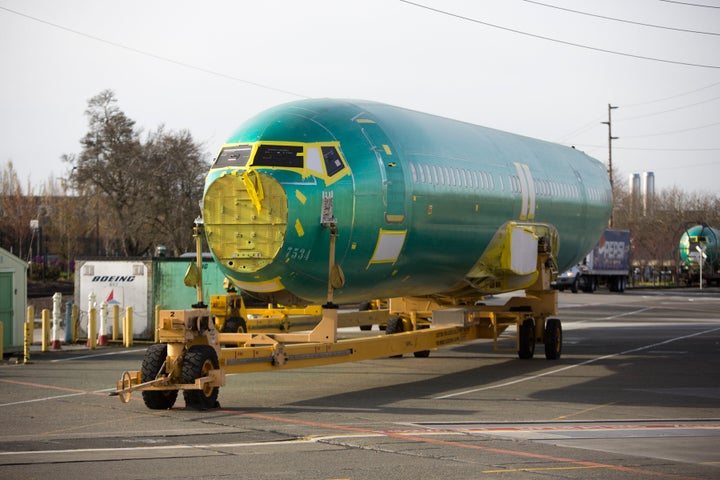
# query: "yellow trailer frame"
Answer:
x=194 y=357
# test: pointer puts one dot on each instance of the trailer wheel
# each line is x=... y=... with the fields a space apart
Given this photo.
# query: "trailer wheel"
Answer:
x=394 y=325
x=235 y=325
x=199 y=360
x=397 y=325
x=153 y=362
x=553 y=338
x=526 y=339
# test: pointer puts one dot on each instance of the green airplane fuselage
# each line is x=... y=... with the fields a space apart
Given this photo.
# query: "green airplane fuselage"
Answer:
x=422 y=204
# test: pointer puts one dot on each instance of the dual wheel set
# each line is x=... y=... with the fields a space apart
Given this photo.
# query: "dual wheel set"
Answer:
x=552 y=338
x=198 y=361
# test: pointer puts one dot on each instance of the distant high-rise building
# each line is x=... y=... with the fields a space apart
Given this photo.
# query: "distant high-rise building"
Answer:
x=642 y=193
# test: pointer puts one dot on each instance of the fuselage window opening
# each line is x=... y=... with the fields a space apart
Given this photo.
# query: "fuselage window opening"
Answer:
x=288 y=156
x=414 y=172
x=333 y=162
x=236 y=156
x=515 y=183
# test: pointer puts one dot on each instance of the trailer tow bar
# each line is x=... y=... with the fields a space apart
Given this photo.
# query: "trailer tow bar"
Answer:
x=129 y=383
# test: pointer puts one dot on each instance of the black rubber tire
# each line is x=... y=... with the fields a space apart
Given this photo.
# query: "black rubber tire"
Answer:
x=235 y=325
x=574 y=286
x=526 y=339
x=422 y=353
x=198 y=361
x=394 y=325
x=397 y=325
x=364 y=306
x=152 y=362
x=553 y=338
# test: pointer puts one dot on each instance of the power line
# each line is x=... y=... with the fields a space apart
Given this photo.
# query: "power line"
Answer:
x=593 y=123
x=671 y=97
x=555 y=40
x=588 y=126
x=651 y=149
x=673 y=132
x=152 y=55
x=621 y=20
x=690 y=4
x=670 y=110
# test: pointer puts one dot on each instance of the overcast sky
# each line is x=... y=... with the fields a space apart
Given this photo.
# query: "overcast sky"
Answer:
x=533 y=68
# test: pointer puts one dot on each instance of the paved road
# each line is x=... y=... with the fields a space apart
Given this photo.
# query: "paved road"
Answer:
x=636 y=395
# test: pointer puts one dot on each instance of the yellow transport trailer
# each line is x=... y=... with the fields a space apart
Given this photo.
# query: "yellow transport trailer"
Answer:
x=195 y=356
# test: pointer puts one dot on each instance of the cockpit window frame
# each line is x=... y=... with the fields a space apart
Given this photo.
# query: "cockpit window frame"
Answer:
x=331 y=167
x=223 y=159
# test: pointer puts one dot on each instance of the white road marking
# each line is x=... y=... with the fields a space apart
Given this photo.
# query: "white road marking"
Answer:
x=586 y=362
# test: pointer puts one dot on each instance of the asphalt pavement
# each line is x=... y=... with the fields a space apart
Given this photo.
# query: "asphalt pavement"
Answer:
x=635 y=395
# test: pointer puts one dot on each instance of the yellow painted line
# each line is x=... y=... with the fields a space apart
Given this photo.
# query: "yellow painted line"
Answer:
x=562 y=417
x=543 y=469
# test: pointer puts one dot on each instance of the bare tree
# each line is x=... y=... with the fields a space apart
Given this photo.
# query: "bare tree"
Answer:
x=178 y=171
x=17 y=209
x=143 y=193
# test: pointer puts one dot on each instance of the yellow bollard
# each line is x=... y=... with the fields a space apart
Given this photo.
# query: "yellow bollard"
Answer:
x=92 y=329
x=74 y=322
x=157 y=324
x=29 y=330
x=45 y=330
x=128 y=328
x=116 y=323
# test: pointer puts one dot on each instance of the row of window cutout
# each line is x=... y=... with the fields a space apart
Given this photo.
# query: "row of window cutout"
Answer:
x=478 y=179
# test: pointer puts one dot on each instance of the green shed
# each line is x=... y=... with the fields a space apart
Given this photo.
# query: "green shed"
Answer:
x=168 y=287
x=13 y=299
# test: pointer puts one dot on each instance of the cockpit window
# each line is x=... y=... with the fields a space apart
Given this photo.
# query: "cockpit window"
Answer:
x=288 y=156
x=333 y=162
x=236 y=156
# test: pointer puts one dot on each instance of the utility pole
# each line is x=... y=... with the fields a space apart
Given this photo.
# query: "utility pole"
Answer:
x=610 y=169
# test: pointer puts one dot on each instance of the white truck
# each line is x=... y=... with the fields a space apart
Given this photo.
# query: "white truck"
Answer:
x=607 y=264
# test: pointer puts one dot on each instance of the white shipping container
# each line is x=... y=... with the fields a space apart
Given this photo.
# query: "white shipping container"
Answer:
x=125 y=283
